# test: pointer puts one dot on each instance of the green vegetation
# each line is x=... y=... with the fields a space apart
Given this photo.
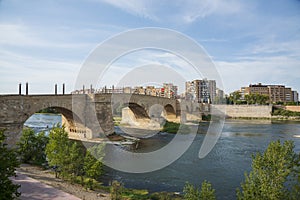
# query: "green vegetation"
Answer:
x=249 y=99
x=206 y=117
x=274 y=175
x=117 y=121
x=257 y=99
x=31 y=147
x=286 y=113
x=234 y=98
x=172 y=127
x=8 y=165
x=119 y=192
x=205 y=193
x=70 y=159
x=48 y=110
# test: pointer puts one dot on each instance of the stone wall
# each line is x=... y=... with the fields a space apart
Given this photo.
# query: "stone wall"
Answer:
x=245 y=111
x=85 y=116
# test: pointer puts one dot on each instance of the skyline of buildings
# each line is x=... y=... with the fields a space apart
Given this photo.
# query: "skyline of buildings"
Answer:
x=202 y=91
x=168 y=90
x=276 y=93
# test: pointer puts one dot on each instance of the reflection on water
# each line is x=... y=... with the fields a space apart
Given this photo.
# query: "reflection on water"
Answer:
x=224 y=166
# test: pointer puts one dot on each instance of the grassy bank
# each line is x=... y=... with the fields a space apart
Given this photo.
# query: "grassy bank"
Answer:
x=173 y=127
x=285 y=113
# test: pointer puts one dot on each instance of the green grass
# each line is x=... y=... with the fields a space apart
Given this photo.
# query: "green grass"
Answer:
x=117 y=121
x=172 y=127
x=286 y=113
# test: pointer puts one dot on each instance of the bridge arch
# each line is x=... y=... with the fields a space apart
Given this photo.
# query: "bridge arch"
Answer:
x=70 y=120
x=169 y=112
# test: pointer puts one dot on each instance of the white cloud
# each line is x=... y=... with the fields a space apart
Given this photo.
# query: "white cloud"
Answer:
x=141 y=8
x=185 y=11
x=270 y=70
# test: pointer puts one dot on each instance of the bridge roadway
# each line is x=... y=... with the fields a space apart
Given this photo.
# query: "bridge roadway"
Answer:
x=89 y=115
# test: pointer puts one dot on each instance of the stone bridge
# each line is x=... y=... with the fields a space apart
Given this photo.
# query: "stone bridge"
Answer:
x=87 y=115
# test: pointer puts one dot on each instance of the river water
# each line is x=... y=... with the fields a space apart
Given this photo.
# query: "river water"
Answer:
x=224 y=166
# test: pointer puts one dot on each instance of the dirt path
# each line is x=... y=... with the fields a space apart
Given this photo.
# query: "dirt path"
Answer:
x=42 y=178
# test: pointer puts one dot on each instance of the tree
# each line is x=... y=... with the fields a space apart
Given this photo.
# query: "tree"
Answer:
x=42 y=141
x=31 y=147
x=205 y=193
x=57 y=150
x=272 y=173
x=235 y=97
x=256 y=99
x=8 y=165
x=76 y=160
x=93 y=166
x=26 y=145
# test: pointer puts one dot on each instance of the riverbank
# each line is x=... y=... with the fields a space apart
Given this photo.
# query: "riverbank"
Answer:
x=47 y=177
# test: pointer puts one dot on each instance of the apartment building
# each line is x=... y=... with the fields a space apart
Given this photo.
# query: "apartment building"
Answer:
x=295 y=96
x=276 y=93
x=203 y=91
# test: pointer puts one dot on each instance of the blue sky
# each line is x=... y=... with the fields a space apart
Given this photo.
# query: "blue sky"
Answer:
x=46 y=42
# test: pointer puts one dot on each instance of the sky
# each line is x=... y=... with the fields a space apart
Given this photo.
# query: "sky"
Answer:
x=47 y=42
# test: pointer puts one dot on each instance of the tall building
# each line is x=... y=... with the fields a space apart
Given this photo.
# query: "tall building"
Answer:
x=276 y=93
x=220 y=96
x=170 y=90
x=295 y=96
x=203 y=91
x=192 y=90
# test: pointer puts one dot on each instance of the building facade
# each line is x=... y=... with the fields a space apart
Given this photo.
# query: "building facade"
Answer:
x=192 y=90
x=276 y=93
x=202 y=91
x=295 y=96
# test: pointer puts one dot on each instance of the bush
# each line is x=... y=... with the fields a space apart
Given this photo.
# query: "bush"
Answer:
x=205 y=193
x=31 y=147
x=116 y=190
x=286 y=113
x=8 y=165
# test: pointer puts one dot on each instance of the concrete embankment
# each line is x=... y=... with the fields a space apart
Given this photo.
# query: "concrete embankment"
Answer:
x=245 y=111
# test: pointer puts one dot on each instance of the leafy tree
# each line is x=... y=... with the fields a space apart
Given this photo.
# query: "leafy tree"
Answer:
x=93 y=168
x=26 y=145
x=8 y=165
x=256 y=99
x=190 y=192
x=205 y=193
x=42 y=141
x=235 y=97
x=76 y=160
x=271 y=175
x=57 y=150
x=31 y=147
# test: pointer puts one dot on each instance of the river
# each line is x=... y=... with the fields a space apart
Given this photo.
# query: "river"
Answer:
x=224 y=166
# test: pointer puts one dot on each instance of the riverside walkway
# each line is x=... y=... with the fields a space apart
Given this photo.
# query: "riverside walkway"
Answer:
x=33 y=189
x=37 y=183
